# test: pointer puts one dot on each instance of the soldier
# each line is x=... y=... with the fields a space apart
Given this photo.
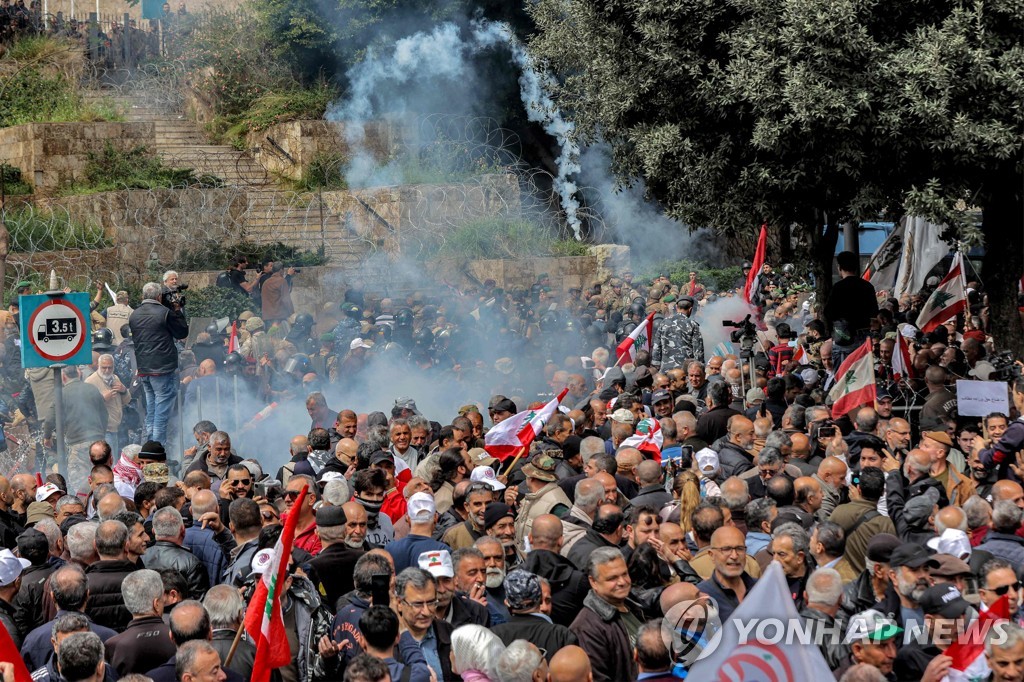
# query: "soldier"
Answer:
x=348 y=327
x=679 y=339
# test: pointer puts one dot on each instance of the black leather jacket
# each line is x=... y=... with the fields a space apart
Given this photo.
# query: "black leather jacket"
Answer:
x=166 y=554
x=154 y=330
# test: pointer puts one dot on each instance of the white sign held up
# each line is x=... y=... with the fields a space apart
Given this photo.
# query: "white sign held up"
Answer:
x=979 y=398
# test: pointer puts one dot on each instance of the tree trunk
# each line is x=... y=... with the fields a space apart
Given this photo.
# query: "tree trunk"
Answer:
x=824 y=236
x=1003 y=227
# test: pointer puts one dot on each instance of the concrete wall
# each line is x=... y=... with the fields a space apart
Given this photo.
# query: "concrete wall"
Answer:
x=52 y=155
x=289 y=148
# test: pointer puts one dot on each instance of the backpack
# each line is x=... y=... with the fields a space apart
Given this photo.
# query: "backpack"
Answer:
x=224 y=280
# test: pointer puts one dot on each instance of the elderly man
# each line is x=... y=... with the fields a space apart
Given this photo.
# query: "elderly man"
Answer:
x=114 y=393
x=606 y=626
x=729 y=583
x=734 y=456
x=146 y=642
x=218 y=458
x=543 y=496
x=169 y=553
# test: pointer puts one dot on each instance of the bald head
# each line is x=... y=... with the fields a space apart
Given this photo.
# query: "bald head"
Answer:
x=801 y=448
x=676 y=594
x=1008 y=490
x=628 y=460
x=204 y=501
x=346 y=449
x=950 y=517
x=648 y=473
x=728 y=536
x=832 y=470
x=207 y=367
x=546 y=533
x=741 y=431
x=299 y=445
x=607 y=481
x=570 y=664
x=111 y=505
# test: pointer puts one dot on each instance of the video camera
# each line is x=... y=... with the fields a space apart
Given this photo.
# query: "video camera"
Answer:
x=1005 y=365
x=174 y=297
x=744 y=333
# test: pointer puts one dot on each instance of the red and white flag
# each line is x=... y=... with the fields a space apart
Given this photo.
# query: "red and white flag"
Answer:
x=948 y=299
x=264 y=622
x=641 y=338
x=508 y=437
x=902 y=367
x=968 y=652
x=800 y=356
x=755 y=271
x=648 y=438
x=855 y=382
x=10 y=653
x=233 y=339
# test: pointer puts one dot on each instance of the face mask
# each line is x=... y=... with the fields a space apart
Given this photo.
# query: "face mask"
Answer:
x=372 y=508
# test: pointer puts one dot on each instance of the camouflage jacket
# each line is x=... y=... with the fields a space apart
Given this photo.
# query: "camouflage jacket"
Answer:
x=678 y=340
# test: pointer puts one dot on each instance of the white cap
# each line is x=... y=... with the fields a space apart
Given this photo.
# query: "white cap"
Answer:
x=982 y=370
x=437 y=563
x=421 y=507
x=358 y=343
x=707 y=460
x=44 y=491
x=623 y=416
x=261 y=561
x=953 y=542
x=11 y=566
x=485 y=474
x=329 y=476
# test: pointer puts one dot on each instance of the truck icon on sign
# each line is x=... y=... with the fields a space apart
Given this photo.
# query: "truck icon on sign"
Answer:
x=57 y=329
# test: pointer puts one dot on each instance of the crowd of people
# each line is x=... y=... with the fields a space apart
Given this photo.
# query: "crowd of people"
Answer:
x=419 y=554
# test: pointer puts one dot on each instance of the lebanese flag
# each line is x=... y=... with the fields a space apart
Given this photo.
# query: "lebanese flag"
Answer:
x=755 y=271
x=263 y=620
x=855 y=382
x=233 y=339
x=507 y=438
x=10 y=653
x=648 y=438
x=902 y=367
x=948 y=299
x=800 y=356
x=402 y=472
x=968 y=652
x=641 y=338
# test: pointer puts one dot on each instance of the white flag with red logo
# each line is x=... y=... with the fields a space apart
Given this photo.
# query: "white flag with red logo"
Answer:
x=648 y=438
x=508 y=437
x=948 y=299
x=745 y=651
x=264 y=621
x=902 y=367
x=641 y=338
x=855 y=382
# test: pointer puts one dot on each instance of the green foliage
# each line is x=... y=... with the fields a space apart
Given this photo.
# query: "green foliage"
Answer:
x=139 y=168
x=503 y=237
x=289 y=105
x=36 y=230
x=217 y=302
x=717 y=279
x=214 y=255
x=35 y=48
x=12 y=180
x=325 y=172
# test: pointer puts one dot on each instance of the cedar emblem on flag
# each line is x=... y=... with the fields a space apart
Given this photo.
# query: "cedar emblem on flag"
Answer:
x=855 y=382
x=948 y=299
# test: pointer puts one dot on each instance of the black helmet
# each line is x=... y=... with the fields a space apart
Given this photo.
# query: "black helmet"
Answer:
x=351 y=310
x=102 y=339
x=234 y=362
x=789 y=268
x=404 y=318
x=304 y=320
x=747 y=265
x=549 y=321
x=424 y=338
x=637 y=309
x=381 y=332
x=627 y=329
x=212 y=329
x=298 y=363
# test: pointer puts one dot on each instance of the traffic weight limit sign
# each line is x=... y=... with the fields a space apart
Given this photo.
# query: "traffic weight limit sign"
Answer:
x=55 y=329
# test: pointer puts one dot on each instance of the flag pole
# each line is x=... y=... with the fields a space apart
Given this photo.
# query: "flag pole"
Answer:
x=516 y=459
x=234 y=644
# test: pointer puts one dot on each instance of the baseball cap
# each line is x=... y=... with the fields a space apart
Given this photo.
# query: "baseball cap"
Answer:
x=754 y=395
x=481 y=457
x=329 y=476
x=437 y=563
x=261 y=561
x=157 y=472
x=358 y=343
x=939 y=437
x=953 y=541
x=421 y=507
x=880 y=547
x=950 y=567
x=707 y=460
x=44 y=491
x=871 y=624
x=982 y=370
x=522 y=590
x=485 y=474
x=381 y=456
x=943 y=600
x=11 y=567
x=658 y=396
x=541 y=467
x=911 y=556
x=37 y=511
x=406 y=403
x=505 y=405
x=623 y=416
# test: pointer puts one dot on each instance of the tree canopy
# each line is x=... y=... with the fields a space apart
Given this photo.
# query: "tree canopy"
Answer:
x=805 y=112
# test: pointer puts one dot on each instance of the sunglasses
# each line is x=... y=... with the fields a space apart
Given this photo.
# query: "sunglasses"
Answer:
x=1001 y=591
x=269 y=516
x=291 y=495
x=241 y=481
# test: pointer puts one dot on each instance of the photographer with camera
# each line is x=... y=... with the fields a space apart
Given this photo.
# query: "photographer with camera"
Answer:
x=155 y=326
x=277 y=294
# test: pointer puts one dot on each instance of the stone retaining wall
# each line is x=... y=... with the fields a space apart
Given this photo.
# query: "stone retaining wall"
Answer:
x=289 y=148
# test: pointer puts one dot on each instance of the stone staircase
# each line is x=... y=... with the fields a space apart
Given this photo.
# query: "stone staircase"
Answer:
x=272 y=214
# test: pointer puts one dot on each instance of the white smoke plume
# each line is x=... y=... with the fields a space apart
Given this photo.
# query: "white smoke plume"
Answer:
x=406 y=73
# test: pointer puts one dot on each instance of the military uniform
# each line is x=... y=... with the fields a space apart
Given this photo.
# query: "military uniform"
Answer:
x=677 y=341
x=346 y=332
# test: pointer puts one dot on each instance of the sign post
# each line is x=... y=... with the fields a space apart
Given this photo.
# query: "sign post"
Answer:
x=55 y=334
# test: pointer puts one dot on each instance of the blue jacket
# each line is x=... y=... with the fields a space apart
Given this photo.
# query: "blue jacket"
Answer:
x=412 y=657
x=1004 y=546
x=36 y=648
x=203 y=543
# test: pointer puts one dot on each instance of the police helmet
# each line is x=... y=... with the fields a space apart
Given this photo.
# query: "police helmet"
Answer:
x=297 y=364
x=404 y=318
x=304 y=320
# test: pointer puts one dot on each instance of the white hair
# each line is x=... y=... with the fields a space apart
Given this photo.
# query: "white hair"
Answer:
x=152 y=290
x=140 y=589
x=167 y=523
x=518 y=662
x=474 y=647
x=824 y=586
x=81 y=540
x=168 y=275
x=337 y=492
